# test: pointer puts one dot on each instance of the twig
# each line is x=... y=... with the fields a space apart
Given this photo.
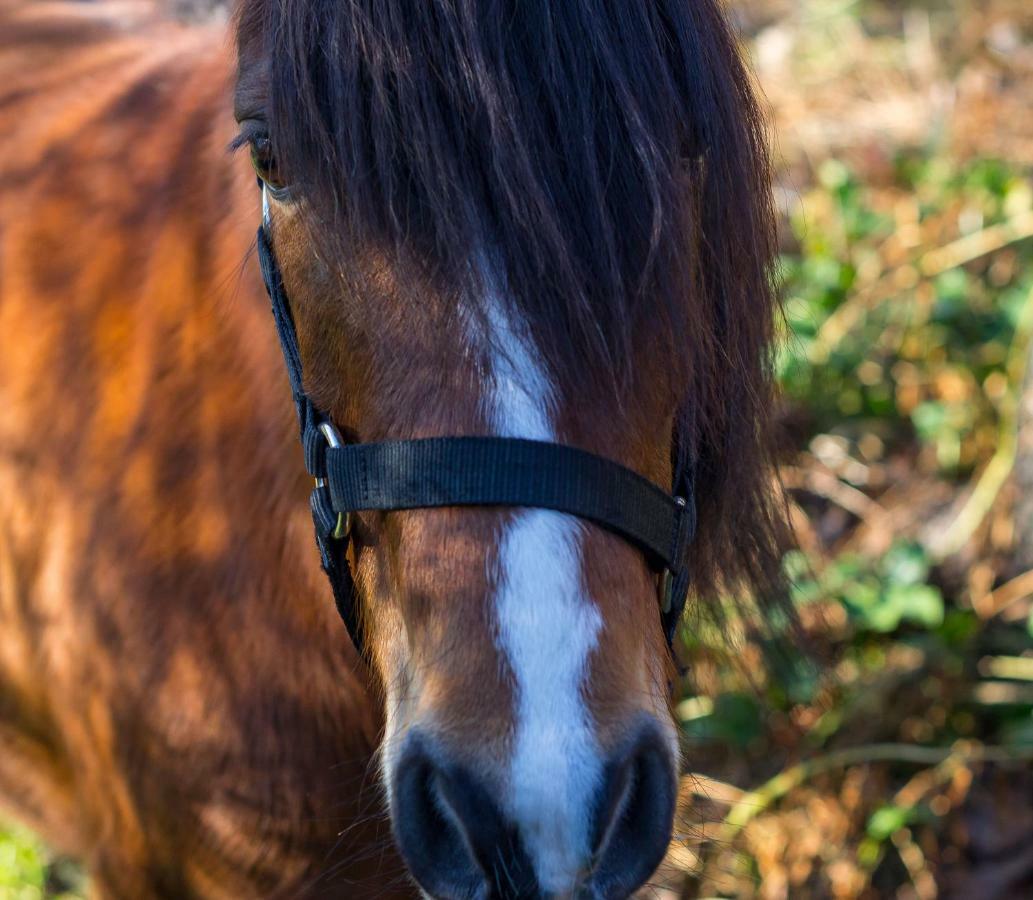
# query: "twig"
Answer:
x=930 y=264
x=914 y=861
x=755 y=802
x=846 y=315
x=994 y=476
x=825 y=484
x=972 y=246
x=806 y=537
x=694 y=784
x=998 y=600
x=911 y=794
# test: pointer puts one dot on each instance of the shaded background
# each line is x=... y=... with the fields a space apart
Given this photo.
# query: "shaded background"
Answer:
x=895 y=757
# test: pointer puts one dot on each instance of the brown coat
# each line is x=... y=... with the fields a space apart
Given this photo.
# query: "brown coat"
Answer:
x=185 y=727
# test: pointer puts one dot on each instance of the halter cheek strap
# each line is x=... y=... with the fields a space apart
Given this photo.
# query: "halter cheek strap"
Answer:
x=471 y=471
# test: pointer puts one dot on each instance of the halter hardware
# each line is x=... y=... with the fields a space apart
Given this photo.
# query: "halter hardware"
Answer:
x=471 y=471
x=344 y=519
x=667 y=578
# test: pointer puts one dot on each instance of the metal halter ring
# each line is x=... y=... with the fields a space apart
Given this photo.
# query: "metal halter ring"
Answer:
x=344 y=520
x=667 y=578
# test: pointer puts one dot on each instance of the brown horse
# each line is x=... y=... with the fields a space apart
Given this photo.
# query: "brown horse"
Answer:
x=523 y=219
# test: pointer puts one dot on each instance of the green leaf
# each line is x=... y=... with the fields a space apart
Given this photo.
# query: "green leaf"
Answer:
x=884 y=618
x=22 y=866
x=887 y=820
x=906 y=563
x=735 y=720
x=930 y=419
x=863 y=594
x=918 y=603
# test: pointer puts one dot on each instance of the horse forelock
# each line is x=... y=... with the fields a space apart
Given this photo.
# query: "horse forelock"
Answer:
x=614 y=165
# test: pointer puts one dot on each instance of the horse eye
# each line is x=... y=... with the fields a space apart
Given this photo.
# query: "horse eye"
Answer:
x=264 y=161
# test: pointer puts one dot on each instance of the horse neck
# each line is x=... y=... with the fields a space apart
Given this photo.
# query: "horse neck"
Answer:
x=246 y=420
x=166 y=372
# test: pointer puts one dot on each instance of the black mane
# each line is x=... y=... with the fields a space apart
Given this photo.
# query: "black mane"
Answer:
x=612 y=156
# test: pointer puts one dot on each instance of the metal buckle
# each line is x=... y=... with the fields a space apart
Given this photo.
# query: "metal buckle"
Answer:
x=667 y=576
x=344 y=520
x=666 y=587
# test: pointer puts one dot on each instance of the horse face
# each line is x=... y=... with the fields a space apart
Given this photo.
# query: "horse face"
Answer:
x=537 y=220
x=528 y=738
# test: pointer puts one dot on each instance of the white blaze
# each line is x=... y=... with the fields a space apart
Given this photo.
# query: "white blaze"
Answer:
x=547 y=629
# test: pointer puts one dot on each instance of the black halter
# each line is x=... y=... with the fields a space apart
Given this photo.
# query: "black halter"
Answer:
x=472 y=471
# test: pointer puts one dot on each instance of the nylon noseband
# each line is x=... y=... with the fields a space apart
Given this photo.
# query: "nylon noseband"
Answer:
x=471 y=471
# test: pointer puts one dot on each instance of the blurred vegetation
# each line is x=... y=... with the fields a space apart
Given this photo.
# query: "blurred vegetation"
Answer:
x=28 y=871
x=899 y=761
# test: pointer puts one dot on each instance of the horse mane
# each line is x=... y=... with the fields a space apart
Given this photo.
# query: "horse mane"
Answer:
x=612 y=157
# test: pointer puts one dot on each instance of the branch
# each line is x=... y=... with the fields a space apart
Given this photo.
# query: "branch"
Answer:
x=757 y=801
x=994 y=476
x=930 y=264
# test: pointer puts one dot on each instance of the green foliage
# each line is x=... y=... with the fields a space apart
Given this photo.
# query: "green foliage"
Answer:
x=905 y=302
x=884 y=332
x=22 y=868
x=897 y=338
x=734 y=719
x=888 y=819
x=28 y=871
x=879 y=595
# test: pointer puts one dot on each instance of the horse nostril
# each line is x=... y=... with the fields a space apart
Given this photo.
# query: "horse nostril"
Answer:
x=433 y=844
x=635 y=816
x=458 y=844
x=451 y=834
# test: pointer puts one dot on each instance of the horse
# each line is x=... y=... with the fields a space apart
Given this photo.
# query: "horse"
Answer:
x=493 y=219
